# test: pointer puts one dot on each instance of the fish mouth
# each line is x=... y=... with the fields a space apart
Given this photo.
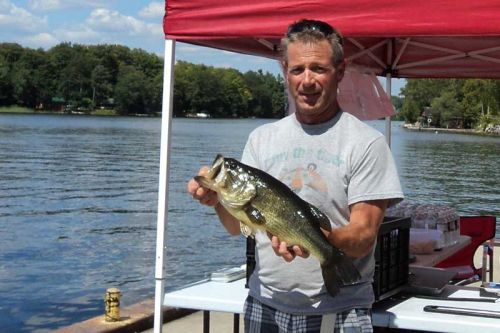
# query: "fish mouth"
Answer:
x=215 y=175
x=216 y=167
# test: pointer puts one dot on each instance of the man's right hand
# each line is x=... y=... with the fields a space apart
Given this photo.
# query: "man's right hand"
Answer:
x=209 y=198
x=204 y=195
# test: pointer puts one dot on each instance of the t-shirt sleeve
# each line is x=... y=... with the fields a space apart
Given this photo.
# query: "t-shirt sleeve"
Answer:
x=249 y=156
x=374 y=175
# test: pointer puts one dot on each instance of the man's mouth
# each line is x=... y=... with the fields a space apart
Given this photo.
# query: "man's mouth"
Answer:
x=310 y=97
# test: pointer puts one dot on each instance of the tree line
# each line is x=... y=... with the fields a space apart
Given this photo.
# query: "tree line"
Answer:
x=453 y=103
x=85 y=77
x=81 y=77
x=225 y=92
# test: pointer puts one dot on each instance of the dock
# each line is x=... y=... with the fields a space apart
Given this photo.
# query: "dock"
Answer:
x=139 y=317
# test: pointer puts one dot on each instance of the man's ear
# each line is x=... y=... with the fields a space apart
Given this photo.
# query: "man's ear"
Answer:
x=340 y=70
x=284 y=69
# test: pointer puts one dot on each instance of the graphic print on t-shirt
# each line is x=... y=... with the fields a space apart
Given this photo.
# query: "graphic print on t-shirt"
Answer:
x=301 y=169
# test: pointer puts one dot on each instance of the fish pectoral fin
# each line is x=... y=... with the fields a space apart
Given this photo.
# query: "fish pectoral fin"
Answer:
x=255 y=216
x=321 y=218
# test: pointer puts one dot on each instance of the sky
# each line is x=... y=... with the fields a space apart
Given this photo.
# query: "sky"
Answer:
x=134 y=23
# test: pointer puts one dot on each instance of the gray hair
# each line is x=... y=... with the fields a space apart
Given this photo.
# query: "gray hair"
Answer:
x=310 y=33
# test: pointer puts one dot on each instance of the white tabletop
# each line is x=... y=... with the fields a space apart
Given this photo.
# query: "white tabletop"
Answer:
x=210 y=295
x=394 y=313
x=410 y=314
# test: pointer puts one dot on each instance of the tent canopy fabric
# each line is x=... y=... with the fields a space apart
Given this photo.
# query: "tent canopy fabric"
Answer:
x=403 y=38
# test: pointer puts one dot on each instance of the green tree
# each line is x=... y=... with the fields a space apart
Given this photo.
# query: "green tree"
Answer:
x=6 y=88
x=268 y=96
x=411 y=110
x=446 y=110
x=130 y=91
x=10 y=53
x=205 y=92
x=278 y=98
x=27 y=78
x=397 y=102
x=235 y=94
x=480 y=97
x=101 y=82
x=154 y=93
x=182 y=104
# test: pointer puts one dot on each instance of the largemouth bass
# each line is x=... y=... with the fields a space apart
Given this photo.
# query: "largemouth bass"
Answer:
x=260 y=201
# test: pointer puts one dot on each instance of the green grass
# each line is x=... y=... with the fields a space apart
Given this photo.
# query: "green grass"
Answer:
x=15 y=109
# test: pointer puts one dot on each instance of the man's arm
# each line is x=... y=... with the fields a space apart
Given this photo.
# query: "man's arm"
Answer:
x=358 y=238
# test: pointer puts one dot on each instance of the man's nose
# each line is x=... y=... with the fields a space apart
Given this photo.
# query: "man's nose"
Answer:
x=308 y=78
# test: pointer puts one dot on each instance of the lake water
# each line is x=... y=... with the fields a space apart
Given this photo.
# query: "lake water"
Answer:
x=78 y=198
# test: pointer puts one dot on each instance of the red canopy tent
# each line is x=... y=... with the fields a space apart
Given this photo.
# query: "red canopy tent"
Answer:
x=391 y=38
x=408 y=39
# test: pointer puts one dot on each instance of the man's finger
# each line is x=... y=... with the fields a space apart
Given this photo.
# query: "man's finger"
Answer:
x=285 y=252
x=300 y=252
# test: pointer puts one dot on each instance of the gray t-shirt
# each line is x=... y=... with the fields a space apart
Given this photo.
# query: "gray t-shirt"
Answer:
x=331 y=165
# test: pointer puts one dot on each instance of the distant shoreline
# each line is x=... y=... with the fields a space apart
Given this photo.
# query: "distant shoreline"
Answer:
x=97 y=112
x=449 y=130
x=113 y=113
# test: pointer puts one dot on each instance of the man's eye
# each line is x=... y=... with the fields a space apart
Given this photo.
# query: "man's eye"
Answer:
x=320 y=70
x=295 y=71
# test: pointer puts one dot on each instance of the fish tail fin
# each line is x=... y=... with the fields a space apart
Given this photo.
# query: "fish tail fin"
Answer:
x=338 y=271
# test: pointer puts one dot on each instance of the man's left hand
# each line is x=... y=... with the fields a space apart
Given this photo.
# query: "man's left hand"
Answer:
x=288 y=253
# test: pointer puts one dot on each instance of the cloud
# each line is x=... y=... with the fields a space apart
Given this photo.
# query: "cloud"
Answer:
x=111 y=21
x=79 y=34
x=21 y=22
x=44 y=40
x=14 y=19
x=154 y=10
x=52 y=5
x=45 y=5
x=188 y=48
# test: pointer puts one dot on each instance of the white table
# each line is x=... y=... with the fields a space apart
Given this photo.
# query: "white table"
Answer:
x=409 y=313
x=209 y=296
x=394 y=313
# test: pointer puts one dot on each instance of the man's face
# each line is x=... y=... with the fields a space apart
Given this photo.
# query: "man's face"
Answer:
x=313 y=80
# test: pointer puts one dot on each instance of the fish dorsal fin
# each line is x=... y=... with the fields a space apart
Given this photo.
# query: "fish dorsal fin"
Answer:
x=321 y=218
x=254 y=215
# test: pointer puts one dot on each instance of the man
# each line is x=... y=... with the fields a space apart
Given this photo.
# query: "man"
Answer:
x=335 y=162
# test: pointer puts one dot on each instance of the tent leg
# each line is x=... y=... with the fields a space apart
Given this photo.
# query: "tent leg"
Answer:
x=166 y=122
x=388 y=119
x=388 y=90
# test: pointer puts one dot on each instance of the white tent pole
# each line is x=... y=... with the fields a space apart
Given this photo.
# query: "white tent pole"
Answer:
x=166 y=121
x=388 y=90
x=388 y=119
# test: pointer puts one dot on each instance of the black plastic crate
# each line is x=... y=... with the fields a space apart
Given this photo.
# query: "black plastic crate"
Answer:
x=391 y=257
